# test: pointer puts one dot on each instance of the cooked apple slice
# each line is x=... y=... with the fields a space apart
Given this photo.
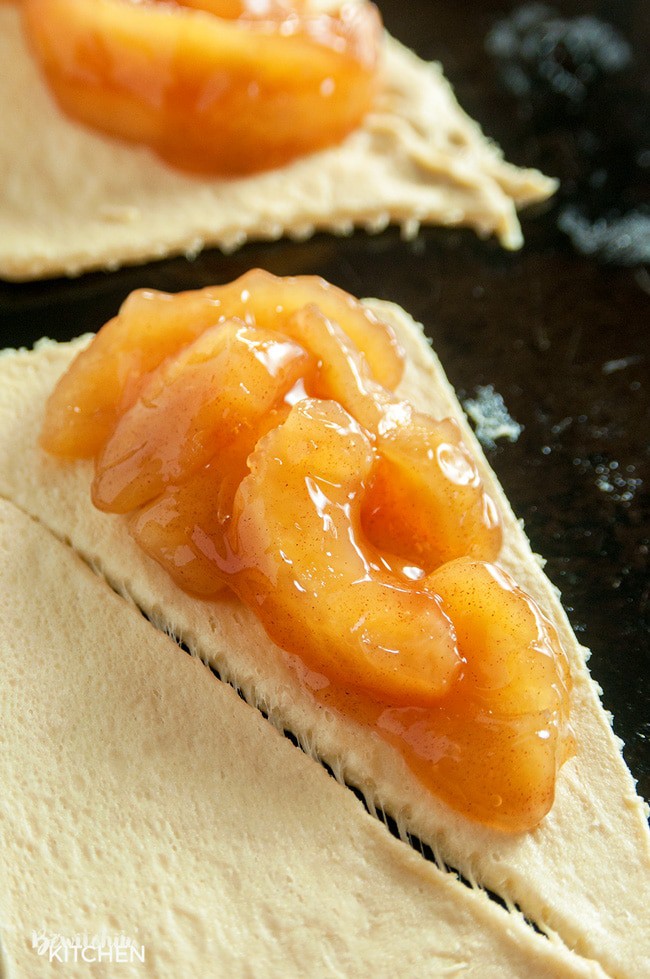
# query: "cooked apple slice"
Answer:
x=152 y=326
x=210 y=92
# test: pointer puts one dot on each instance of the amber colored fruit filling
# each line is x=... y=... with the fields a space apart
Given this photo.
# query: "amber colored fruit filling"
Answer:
x=253 y=436
x=226 y=87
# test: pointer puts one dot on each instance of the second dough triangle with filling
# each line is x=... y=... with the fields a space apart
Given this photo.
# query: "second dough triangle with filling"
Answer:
x=554 y=872
x=75 y=200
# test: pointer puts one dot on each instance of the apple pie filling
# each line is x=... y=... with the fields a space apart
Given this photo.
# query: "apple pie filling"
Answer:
x=253 y=438
x=224 y=87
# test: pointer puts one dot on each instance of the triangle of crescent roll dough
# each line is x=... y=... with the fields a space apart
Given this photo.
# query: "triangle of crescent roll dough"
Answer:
x=72 y=200
x=142 y=797
x=583 y=873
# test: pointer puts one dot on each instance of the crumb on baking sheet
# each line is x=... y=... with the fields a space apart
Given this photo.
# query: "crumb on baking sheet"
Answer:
x=491 y=418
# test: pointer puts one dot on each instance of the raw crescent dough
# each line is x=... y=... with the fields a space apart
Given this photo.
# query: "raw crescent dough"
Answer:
x=71 y=200
x=584 y=873
x=141 y=796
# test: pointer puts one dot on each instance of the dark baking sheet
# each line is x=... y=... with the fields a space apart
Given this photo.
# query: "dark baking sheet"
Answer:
x=561 y=335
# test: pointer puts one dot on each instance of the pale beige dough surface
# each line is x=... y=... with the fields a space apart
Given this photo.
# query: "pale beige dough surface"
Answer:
x=583 y=873
x=71 y=200
x=142 y=797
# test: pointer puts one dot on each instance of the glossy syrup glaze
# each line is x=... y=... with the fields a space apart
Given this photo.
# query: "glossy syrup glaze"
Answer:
x=252 y=435
x=213 y=86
